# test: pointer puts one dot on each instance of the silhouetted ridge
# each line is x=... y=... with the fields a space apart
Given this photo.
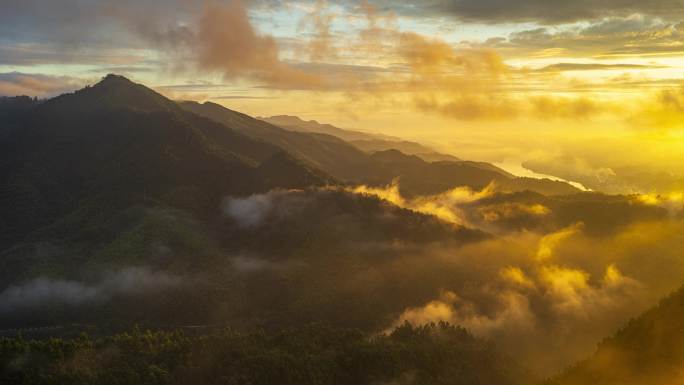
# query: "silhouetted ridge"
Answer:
x=119 y=144
x=396 y=156
x=114 y=91
x=341 y=159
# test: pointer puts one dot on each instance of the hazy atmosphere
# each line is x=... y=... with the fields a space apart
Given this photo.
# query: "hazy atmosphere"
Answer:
x=342 y=192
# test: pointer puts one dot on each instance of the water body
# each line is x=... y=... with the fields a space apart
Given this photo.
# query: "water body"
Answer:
x=516 y=168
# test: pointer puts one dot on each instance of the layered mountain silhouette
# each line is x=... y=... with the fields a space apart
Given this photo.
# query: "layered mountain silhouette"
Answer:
x=294 y=123
x=323 y=151
x=365 y=141
x=346 y=162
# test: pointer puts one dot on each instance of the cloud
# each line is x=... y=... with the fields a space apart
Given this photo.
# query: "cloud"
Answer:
x=467 y=81
x=16 y=83
x=616 y=36
x=227 y=42
x=191 y=35
x=549 y=242
x=321 y=45
x=561 y=67
x=250 y=211
x=356 y=260
x=33 y=54
x=445 y=206
x=662 y=112
x=246 y=264
x=43 y=291
x=530 y=306
x=673 y=202
x=563 y=11
x=504 y=213
x=514 y=312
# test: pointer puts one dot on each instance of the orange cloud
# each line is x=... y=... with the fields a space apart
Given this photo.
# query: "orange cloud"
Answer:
x=228 y=43
x=15 y=83
x=322 y=45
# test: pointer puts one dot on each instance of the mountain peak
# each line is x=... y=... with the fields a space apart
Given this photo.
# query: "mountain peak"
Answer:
x=116 y=91
x=393 y=155
x=114 y=79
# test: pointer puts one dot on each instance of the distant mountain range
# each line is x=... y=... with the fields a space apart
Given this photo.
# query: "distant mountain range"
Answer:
x=294 y=123
x=325 y=147
x=365 y=141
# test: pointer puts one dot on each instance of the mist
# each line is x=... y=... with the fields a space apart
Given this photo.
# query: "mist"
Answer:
x=43 y=291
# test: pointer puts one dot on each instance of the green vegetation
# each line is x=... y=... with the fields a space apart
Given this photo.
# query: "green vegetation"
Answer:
x=433 y=354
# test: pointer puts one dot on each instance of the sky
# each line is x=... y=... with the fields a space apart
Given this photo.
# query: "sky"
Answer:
x=587 y=90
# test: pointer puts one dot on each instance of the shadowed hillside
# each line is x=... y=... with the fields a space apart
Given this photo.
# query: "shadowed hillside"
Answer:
x=92 y=154
x=648 y=350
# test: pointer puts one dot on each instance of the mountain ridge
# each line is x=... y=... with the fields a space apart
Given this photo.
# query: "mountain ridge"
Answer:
x=122 y=143
x=379 y=168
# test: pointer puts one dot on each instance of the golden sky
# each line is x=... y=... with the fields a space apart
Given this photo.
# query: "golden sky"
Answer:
x=590 y=91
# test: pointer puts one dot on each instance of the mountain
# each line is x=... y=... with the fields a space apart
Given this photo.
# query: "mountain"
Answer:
x=294 y=123
x=343 y=161
x=121 y=207
x=118 y=145
x=649 y=350
x=437 y=157
x=11 y=108
x=367 y=142
x=407 y=147
x=116 y=176
x=322 y=151
x=418 y=177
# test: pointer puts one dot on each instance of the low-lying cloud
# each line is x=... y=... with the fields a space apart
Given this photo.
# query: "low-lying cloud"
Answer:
x=43 y=291
x=250 y=211
x=565 y=302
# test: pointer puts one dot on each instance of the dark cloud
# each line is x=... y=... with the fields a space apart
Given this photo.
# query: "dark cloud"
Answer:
x=614 y=36
x=216 y=36
x=77 y=22
x=28 y=54
x=544 y=11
